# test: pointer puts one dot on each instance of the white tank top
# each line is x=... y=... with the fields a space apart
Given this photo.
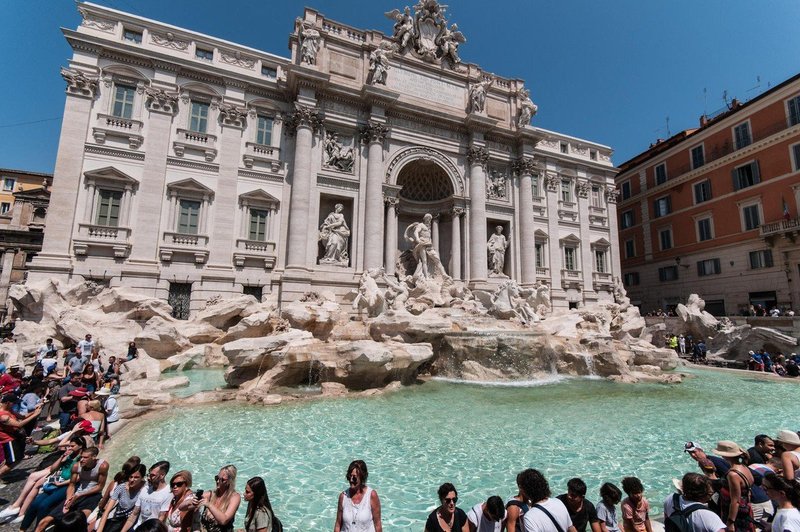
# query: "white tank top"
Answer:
x=357 y=517
x=796 y=471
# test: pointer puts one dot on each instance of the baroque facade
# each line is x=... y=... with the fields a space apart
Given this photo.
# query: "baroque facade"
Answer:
x=190 y=167
x=714 y=210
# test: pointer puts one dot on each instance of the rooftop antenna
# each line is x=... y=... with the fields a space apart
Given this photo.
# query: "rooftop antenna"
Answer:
x=725 y=98
x=668 y=132
x=758 y=84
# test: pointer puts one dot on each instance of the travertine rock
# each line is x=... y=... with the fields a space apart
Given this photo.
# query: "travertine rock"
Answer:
x=317 y=317
x=250 y=356
x=697 y=321
x=255 y=325
x=161 y=338
x=227 y=312
x=734 y=344
x=141 y=367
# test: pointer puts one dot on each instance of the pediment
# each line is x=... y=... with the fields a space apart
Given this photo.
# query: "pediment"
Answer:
x=258 y=196
x=540 y=235
x=601 y=243
x=109 y=173
x=190 y=185
x=571 y=238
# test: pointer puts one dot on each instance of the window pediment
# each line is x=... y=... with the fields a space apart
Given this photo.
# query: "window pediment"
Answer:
x=190 y=187
x=570 y=240
x=258 y=197
x=540 y=235
x=601 y=243
x=112 y=176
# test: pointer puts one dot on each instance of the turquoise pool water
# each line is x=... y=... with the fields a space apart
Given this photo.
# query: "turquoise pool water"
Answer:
x=477 y=437
x=200 y=380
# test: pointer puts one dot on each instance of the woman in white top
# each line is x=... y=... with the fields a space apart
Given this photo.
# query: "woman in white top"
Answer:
x=790 y=457
x=546 y=514
x=359 y=508
x=786 y=495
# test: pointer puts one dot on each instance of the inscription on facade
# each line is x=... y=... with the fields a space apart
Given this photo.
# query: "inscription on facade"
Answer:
x=344 y=65
x=426 y=88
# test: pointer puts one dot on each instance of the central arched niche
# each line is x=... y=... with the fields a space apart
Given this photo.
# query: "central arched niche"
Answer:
x=424 y=181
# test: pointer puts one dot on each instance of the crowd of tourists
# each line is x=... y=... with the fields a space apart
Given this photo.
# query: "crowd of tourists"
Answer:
x=779 y=364
x=734 y=490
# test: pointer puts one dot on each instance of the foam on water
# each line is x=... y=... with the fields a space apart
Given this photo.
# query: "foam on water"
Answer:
x=544 y=381
x=476 y=436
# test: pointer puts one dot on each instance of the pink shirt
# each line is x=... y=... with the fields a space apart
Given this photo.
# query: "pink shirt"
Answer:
x=638 y=515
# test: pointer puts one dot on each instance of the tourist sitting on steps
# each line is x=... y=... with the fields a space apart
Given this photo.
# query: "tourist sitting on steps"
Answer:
x=122 y=500
x=447 y=517
x=259 y=516
x=12 y=433
x=220 y=504
x=487 y=516
x=786 y=496
x=690 y=505
x=547 y=514
x=358 y=507
x=180 y=514
x=515 y=510
x=734 y=501
x=635 y=508
x=153 y=501
x=610 y=496
x=790 y=458
x=581 y=511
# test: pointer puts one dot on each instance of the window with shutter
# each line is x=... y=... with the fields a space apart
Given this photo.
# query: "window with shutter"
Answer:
x=188 y=217
x=123 y=101
x=746 y=176
x=108 y=205
x=258 y=225
x=264 y=131
x=794 y=111
x=198 y=119
x=741 y=135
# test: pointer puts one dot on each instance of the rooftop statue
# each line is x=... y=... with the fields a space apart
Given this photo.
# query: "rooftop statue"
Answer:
x=477 y=95
x=527 y=108
x=379 y=63
x=426 y=32
x=309 y=45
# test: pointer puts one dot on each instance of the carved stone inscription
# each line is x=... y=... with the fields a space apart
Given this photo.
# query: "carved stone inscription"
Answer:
x=421 y=86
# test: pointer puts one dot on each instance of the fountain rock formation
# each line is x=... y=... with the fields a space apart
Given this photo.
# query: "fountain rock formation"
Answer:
x=514 y=335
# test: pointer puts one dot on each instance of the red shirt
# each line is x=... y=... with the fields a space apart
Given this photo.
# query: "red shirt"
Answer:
x=8 y=383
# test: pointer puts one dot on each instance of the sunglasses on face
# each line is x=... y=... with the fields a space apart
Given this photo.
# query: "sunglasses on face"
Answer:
x=450 y=500
x=353 y=479
x=177 y=485
x=220 y=479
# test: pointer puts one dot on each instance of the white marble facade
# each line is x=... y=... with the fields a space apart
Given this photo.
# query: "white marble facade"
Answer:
x=191 y=167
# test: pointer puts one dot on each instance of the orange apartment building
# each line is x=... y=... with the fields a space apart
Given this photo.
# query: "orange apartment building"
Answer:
x=714 y=210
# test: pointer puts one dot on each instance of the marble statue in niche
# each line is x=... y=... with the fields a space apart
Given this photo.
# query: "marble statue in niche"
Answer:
x=336 y=155
x=497 y=246
x=309 y=45
x=334 y=235
x=496 y=185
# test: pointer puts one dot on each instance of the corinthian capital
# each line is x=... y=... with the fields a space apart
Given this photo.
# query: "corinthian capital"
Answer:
x=232 y=115
x=78 y=83
x=551 y=181
x=612 y=194
x=524 y=166
x=374 y=132
x=161 y=101
x=583 y=189
x=303 y=117
x=478 y=155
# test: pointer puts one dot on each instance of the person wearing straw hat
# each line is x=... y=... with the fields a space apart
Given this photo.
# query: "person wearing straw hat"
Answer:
x=790 y=458
x=734 y=501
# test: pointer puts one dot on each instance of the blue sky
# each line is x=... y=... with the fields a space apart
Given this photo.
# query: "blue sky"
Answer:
x=607 y=71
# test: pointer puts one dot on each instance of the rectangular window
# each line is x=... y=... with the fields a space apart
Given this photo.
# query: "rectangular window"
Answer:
x=794 y=111
x=566 y=191
x=204 y=54
x=698 y=157
x=123 y=101
x=746 y=176
x=258 y=225
x=752 y=218
x=564 y=147
x=630 y=249
x=662 y=207
x=668 y=273
x=796 y=152
x=597 y=197
x=600 y=261
x=708 y=267
x=198 y=119
x=188 y=217
x=627 y=219
x=630 y=279
x=702 y=191
x=761 y=259
x=593 y=155
x=625 y=188
x=661 y=174
x=264 y=130
x=741 y=135
x=269 y=72
x=8 y=184
x=535 y=186
x=540 y=255
x=570 y=259
x=132 y=36
x=5 y=207
x=665 y=238
x=704 y=229
x=255 y=291
x=108 y=204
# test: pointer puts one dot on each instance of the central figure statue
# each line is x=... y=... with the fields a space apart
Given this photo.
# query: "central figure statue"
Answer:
x=429 y=265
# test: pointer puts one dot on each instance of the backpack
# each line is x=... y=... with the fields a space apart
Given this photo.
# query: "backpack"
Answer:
x=277 y=526
x=678 y=521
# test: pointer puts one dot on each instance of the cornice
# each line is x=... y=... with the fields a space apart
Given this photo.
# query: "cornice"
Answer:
x=335 y=182
x=196 y=165
x=252 y=174
x=113 y=152
x=125 y=58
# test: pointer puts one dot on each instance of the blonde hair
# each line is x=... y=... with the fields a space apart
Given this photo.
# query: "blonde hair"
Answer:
x=185 y=475
x=95 y=405
x=230 y=469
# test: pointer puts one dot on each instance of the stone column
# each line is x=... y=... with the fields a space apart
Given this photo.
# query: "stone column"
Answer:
x=146 y=234
x=524 y=168
x=390 y=236
x=55 y=254
x=223 y=231
x=374 y=135
x=478 y=158
x=455 y=259
x=552 y=182
x=584 y=189
x=435 y=232
x=611 y=212
x=5 y=275
x=304 y=121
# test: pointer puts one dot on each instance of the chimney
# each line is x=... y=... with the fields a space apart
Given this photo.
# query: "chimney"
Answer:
x=703 y=120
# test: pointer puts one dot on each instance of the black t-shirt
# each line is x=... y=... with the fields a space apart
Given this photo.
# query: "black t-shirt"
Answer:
x=69 y=406
x=432 y=524
x=755 y=456
x=586 y=515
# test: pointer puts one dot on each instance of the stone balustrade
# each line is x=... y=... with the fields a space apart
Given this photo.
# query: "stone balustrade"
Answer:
x=115 y=126
x=205 y=143
x=93 y=239
x=269 y=155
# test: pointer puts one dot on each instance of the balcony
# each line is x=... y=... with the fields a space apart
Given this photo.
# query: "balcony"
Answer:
x=602 y=281
x=567 y=210
x=542 y=273
x=786 y=228
x=95 y=239
x=204 y=143
x=571 y=279
x=115 y=126
x=255 y=252
x=263 y=155
x=183 y=246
